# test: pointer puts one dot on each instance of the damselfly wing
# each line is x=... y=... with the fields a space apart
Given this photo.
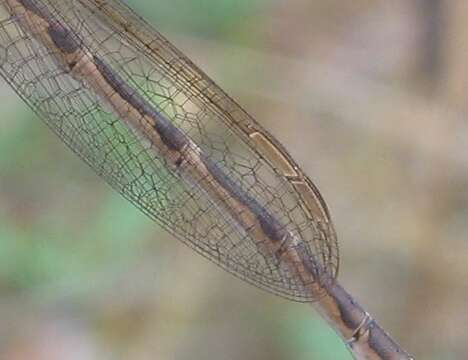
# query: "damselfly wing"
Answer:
x=165 y=136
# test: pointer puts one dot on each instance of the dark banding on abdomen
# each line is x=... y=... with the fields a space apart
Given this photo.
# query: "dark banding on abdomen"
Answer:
x=170 y=135
x=270 y=226
x=62 y=37
x=38 y=9
x=174 y=139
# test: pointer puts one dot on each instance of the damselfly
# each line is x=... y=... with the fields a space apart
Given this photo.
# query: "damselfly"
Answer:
x=165 y=136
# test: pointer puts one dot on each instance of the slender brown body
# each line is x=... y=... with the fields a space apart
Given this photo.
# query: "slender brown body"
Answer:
x=311 y=273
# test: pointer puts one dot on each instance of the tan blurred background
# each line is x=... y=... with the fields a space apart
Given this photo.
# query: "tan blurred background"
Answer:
x=371 y=98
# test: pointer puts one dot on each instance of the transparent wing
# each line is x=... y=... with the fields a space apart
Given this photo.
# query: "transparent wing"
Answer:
x=240 y=147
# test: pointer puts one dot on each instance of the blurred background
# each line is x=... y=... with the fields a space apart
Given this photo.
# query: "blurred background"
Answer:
x=370 y=97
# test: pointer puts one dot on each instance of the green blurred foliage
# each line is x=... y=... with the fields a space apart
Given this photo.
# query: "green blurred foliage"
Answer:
x=209 y=18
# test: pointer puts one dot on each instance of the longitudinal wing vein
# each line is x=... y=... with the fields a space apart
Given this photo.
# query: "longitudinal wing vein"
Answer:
x=159 y=131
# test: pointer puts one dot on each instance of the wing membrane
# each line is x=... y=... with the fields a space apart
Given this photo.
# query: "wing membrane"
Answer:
x=241 y=154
